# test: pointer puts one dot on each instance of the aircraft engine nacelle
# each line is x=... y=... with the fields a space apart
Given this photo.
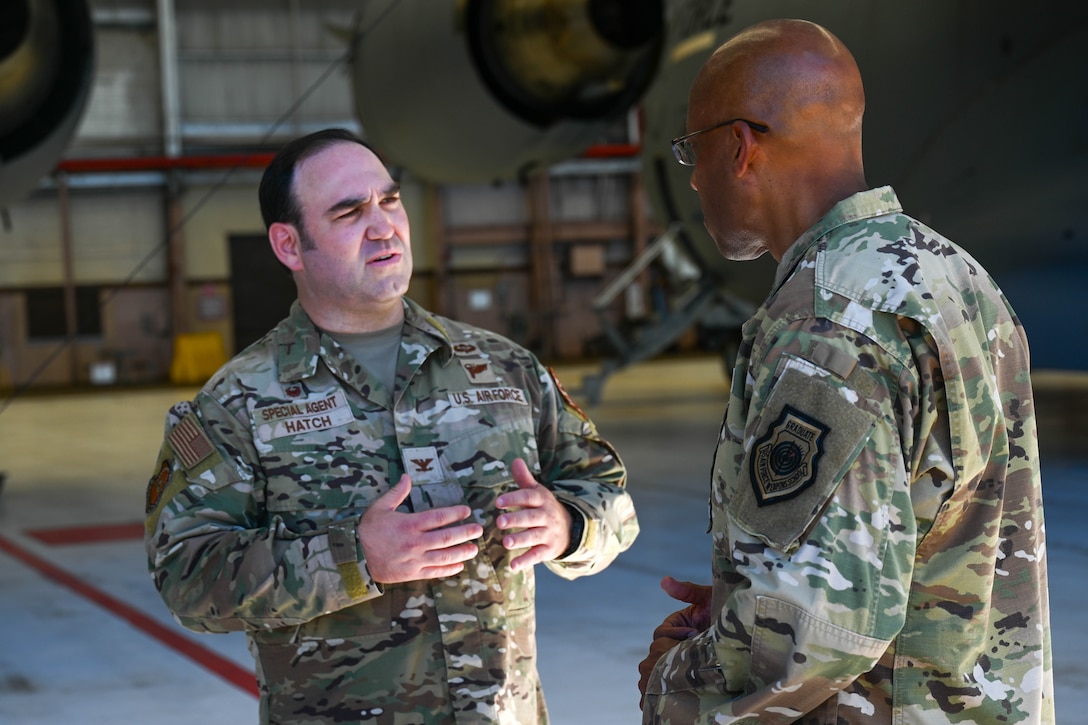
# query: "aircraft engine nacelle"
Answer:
x=975 y=114
x=488 y=90
x=46 y=71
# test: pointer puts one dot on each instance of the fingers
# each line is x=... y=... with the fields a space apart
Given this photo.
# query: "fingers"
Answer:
x=686 y=591
x=535 y=555
x=446 y=561
x=678 y=632
x=532 y=526
x=403 y=547
x=529 y=492
x=645 y=668
x=522 y=475
x=683 y=624
x=532 y=506
x=395 y=496
x=538 y=521
x=444 y=557
x=437 y=521
x=444 y=536
x=398 y=550
x=698 y=614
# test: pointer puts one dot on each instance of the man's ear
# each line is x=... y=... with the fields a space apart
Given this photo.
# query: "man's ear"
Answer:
x=747 y=145
x=285 y=244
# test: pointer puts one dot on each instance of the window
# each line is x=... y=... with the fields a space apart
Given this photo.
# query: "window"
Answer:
x=45 y=313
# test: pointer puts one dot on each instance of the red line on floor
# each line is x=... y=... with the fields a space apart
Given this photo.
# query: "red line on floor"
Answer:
x=65 y=535
x=236 y=675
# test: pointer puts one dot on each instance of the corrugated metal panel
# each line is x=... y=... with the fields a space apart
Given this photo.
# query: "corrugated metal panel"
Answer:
x=242 y=65
x=111 y=235
x=124 y=107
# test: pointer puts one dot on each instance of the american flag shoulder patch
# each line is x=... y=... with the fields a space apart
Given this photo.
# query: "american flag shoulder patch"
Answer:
x=190 y=443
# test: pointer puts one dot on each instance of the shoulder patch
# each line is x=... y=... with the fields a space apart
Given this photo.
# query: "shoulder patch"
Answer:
x=157 y=485
x=785 y=460
x=806 y=439
x=167 y=481
x=189 y=441
x=566 y=396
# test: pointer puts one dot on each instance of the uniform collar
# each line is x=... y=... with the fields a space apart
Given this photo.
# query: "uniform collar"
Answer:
x=301 y=345
x=862 y=205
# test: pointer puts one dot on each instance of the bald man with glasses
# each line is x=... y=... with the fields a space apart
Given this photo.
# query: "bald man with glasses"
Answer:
x=878 y=549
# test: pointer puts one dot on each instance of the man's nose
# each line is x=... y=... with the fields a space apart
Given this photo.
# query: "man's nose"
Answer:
x=380 y=225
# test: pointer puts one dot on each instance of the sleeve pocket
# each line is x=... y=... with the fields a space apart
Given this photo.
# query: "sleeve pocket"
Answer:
x=791 y=645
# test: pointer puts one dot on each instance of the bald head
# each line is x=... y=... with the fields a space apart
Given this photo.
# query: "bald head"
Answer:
x=793 y=75
x=802 y=83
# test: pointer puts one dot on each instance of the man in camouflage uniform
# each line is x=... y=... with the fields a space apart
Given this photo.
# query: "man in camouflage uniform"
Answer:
x=877 y=529
x=365 y=490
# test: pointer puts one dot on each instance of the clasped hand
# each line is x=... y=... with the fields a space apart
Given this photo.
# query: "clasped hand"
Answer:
x=401 y=547
x=678 y=626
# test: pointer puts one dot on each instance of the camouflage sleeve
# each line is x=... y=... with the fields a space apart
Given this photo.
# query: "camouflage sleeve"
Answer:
x=220 y=561
x=584 y=472
x=814 y=534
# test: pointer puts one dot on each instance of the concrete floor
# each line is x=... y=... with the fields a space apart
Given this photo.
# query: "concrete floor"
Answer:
x=84 y=637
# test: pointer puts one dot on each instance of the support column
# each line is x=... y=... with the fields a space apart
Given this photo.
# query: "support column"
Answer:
x=71 y=318
x=442 y=291
x=640 y=231
x=172 y=147
x=175 y=264
x=542 y=264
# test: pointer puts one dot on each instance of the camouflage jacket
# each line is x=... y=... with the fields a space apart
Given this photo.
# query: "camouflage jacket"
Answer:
x=261 y=483
x=878 y=545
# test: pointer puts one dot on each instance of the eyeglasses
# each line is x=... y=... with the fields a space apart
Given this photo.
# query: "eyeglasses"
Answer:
x=685 y=152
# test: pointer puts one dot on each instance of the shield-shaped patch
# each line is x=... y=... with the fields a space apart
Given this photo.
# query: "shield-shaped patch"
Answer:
x=784 y=461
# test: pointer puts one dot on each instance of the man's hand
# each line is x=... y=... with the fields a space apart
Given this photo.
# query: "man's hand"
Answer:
x=403 y=547
x=690 y=620
x=678 y=626
x=544 y=523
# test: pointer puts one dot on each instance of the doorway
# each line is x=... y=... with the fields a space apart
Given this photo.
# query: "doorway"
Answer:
x=262 y=289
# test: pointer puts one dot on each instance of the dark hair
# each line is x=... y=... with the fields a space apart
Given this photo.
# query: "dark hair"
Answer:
x=278 y=202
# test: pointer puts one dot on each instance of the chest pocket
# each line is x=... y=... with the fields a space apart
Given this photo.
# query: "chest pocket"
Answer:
x=327 y=473
x=471 y=427
x=467 y=442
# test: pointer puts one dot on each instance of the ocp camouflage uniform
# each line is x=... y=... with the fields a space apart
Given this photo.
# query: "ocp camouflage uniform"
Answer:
x=262 y=481
x=878 y=545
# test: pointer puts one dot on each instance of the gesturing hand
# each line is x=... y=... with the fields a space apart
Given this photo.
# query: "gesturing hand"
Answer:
x=402 y=547
x=544 y=522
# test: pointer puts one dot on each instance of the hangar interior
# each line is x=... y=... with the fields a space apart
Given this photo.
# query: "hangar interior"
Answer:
x=535 y=168
x=149 y=228
x=140 y=258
